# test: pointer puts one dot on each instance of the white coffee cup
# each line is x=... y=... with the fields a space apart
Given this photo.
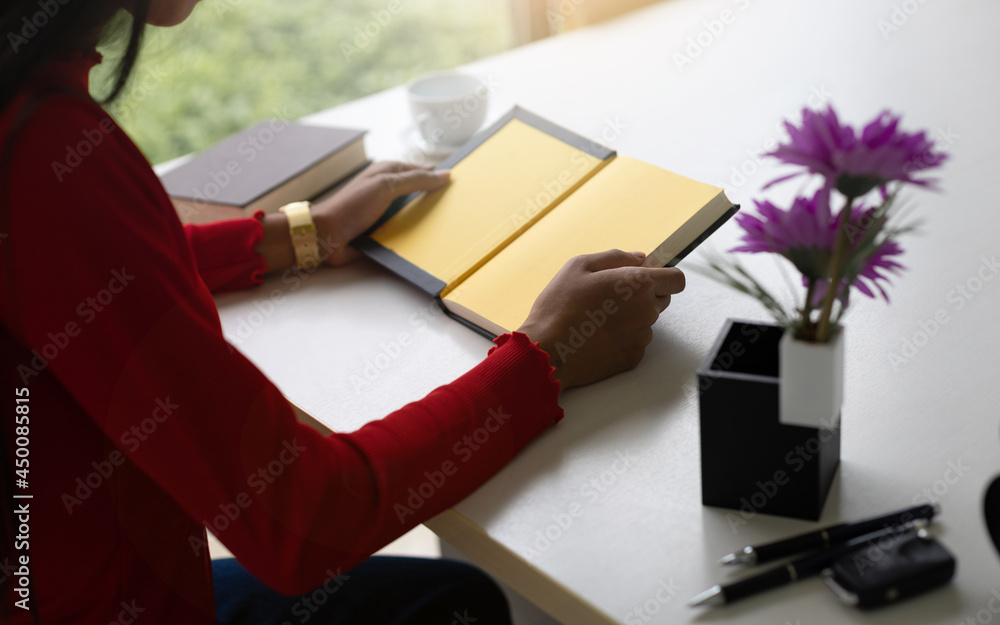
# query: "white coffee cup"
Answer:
x=447 y=107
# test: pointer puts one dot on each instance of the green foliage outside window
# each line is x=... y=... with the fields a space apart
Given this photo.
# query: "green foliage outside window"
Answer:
x=237 y=61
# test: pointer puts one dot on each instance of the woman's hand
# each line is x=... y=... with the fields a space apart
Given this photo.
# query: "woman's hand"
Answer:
x=357 y=206
x=595 y=317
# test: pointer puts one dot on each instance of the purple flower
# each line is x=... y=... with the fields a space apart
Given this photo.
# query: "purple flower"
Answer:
x=876 y=268
x=857 y=164
x=806 y=233
x=818 y=145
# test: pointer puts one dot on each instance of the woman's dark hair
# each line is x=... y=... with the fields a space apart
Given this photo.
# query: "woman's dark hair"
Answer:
x=37 y=33
x=41 y=32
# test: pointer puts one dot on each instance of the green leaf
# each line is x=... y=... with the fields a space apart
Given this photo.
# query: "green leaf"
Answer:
x=735 y=276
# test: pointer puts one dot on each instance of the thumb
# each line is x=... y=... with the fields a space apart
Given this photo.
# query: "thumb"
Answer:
x=612 y=259
x=401 y=183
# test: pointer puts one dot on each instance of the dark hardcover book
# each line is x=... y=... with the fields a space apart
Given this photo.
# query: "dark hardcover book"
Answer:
x=526 y=196
x=265 y=167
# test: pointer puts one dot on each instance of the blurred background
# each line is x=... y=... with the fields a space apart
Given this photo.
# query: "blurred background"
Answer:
x=234 y=62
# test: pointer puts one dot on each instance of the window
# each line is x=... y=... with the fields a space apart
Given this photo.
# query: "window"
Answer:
x=237 y=61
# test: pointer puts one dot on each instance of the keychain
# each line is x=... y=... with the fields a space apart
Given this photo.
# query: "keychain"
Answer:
x=912 y=563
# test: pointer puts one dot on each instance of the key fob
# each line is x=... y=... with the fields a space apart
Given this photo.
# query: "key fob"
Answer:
x=889 y=569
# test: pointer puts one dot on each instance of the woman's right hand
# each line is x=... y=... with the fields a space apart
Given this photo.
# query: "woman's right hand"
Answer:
x=595 y=317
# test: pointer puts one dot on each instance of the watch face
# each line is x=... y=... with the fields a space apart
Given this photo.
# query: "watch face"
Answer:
x=295 y=207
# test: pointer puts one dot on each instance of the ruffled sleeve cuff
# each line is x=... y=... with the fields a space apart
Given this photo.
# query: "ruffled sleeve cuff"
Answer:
x=529 y=375
x=225 y=252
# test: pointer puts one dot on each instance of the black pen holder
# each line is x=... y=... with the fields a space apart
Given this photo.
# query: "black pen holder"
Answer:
x=750 y=461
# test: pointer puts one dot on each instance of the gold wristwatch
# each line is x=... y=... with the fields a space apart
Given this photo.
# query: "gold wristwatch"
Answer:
x=303 y=232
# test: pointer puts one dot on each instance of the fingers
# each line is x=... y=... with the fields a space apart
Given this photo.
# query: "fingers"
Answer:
x=610 y=259
x=656 y=281
x=413 y=180
x=395 y=167
x=667 y=280
x=658 y=284
x=661 y=303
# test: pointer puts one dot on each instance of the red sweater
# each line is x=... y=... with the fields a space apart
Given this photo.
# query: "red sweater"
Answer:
x=145 y=426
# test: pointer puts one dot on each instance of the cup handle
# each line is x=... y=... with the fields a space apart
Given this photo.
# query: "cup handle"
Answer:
x=422 y=120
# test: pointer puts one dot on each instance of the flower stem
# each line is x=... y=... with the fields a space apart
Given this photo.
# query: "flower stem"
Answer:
x=807 y=307
x=836 y=273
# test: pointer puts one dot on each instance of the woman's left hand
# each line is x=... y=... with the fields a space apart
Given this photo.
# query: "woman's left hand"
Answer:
x=364 y=199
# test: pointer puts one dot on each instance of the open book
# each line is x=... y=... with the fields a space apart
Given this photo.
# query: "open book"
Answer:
x=526 y=196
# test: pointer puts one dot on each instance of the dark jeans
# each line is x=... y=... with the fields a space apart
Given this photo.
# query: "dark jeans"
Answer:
x=380 y=591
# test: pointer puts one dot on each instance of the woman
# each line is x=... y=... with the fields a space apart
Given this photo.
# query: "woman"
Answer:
x=142 y=425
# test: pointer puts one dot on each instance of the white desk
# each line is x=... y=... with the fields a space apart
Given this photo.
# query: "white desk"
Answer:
x=645 y=529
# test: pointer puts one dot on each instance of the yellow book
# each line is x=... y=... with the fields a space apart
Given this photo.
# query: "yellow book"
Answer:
x=526 y=196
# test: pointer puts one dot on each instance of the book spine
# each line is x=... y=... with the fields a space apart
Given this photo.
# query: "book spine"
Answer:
x=398 y=265
x=465 y=322
x=704 y=235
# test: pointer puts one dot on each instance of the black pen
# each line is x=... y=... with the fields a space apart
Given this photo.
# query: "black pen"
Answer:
x=806 y=566
x=827 y=536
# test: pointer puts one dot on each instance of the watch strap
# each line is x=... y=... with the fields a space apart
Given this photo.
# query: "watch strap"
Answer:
x=303 y=233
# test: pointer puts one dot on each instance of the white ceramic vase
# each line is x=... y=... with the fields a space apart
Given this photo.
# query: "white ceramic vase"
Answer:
x=811 y=381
